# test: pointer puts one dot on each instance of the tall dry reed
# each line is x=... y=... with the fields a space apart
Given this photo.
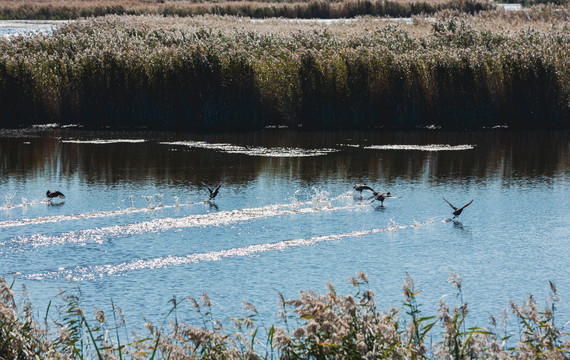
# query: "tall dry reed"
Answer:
x=314 y=326
x=64 y=10
x=225 y=73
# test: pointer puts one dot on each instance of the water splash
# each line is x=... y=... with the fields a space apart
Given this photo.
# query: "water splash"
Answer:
x=320 y=198
x=152 y=199
x=132 y=201
x=9 y=204
x=90 y=272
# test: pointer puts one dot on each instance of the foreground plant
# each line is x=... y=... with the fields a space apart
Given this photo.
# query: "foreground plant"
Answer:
x=327 y=326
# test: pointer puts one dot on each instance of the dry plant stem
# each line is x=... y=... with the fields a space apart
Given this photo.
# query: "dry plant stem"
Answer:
x=328 y=326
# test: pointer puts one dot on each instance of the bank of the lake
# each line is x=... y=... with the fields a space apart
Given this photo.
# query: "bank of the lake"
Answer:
x=313 y=326
x=227 y=73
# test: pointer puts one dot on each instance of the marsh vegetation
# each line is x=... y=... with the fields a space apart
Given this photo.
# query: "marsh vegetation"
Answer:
x=313 y=326
x=214 y=73
x=65 y=10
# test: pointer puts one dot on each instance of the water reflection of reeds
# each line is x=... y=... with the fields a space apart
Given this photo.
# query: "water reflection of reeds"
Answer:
x=501 y=154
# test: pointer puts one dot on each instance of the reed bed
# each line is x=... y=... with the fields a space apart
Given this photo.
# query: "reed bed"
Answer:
x=324 y=9
x=232 y=73
x=313 y=326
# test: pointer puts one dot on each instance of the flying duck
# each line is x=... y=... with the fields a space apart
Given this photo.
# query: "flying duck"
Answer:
x=213 y=193
x=52 y=194
x=457 y=211
x=381 y=197
x=361 y=187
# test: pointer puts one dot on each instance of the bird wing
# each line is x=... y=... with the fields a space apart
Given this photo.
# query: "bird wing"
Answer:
x=466 y=205
x=371 y=190
x=453 y=207
x=207 y=187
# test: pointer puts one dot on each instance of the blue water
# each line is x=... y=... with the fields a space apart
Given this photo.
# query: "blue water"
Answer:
x=9 y=28
x=135 y=226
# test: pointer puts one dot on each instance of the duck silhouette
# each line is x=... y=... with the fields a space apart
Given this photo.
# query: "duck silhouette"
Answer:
x=53 y=194
x=381 y=196
x=213 y=193
x=457 y=211
x=361 y=187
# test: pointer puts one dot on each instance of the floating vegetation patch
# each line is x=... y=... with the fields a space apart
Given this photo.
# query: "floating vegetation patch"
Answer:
x=253 y=150
x=431 y=147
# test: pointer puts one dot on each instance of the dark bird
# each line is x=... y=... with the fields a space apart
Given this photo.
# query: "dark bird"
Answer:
x=458 y=211
x=213 y=193
x=361 y=187
x=52 y=194
x=381 y=197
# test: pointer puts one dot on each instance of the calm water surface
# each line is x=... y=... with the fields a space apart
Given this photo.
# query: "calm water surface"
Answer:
x=134 y=226
x=9 y=28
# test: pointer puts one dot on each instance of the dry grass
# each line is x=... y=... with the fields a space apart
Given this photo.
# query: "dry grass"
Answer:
x=62 y=10
x=328 y=326
x=232 y=73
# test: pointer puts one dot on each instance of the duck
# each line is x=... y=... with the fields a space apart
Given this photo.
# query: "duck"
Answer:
x=381 y=196
x=457 y=211
x=361 y=187
x=213 y=193
x=52 y=194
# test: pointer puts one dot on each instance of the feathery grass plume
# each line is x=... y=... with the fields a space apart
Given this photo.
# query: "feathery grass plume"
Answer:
x=307 y=9
x=203 y=74
x=328 y=326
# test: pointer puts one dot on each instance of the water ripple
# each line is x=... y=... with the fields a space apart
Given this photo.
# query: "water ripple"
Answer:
x=90 y=272
x=98 y=235
x=91 y=215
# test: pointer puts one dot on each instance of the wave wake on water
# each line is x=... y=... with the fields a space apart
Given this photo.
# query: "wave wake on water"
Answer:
x=91 y=272
x=90 y=215
x=10 y=206
x=99 y=235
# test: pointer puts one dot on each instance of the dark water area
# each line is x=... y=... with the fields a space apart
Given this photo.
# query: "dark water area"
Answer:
x=135 y=227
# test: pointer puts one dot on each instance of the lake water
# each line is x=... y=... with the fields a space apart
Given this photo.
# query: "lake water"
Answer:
x=9 y=28
x=134 y=226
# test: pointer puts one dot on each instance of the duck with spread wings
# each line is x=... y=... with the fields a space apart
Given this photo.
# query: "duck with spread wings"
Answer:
x=458 y=211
